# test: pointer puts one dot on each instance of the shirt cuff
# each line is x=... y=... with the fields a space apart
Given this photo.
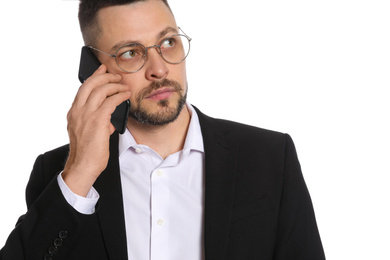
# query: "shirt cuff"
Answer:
x=84 y=205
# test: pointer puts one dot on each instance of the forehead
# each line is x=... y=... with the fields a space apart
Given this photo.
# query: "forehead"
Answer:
x=140 y=21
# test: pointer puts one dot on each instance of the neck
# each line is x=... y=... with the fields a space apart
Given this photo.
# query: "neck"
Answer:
x=165 y=139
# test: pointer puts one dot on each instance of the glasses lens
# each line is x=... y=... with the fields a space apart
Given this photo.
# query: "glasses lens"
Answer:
x=175 y=48
x=131 y=57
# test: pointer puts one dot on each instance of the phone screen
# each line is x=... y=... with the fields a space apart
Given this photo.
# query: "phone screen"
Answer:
x=88 y=65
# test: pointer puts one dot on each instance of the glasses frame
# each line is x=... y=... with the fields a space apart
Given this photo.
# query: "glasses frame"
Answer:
x=158 y=46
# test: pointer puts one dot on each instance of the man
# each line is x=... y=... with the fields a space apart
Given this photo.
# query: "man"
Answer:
x=177 y=184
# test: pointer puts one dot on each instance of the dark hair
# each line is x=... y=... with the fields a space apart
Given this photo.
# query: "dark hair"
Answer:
x=88 y=10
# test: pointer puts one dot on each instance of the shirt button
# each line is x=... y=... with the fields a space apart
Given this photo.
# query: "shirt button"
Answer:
x=159 y=172
x=160 y=222
x=57 y=242
x=63 y=234
x=48 y=257
x=138 y=150
x=53 y=250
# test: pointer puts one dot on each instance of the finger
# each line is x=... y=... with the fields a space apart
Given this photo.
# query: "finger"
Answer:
x=109 y=105
x=101 y=70
x=99 y=94
x=93 y=82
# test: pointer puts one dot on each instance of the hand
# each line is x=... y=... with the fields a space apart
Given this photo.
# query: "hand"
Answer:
x=89 y=128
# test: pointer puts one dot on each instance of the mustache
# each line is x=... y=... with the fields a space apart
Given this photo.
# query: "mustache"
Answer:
x=155 y=85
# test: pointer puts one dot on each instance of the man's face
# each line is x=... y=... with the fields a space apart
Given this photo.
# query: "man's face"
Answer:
x=159 y=89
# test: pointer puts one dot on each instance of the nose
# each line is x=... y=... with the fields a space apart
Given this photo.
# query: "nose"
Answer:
x=155 y=65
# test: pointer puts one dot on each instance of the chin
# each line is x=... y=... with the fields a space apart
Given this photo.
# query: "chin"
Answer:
x=161 y=113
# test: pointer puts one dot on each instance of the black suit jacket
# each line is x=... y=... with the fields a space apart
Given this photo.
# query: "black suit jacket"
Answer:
x=257 y=205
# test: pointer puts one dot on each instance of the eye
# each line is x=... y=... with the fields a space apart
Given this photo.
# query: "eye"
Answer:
x=130 y=54
x=168 y=43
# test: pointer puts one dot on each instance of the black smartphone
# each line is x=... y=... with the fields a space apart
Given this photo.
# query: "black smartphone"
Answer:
x=88 y=65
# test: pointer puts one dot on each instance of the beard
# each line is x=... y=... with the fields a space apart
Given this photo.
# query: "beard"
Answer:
x=168 y=111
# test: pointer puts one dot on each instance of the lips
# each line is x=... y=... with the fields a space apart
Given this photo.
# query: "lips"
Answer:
x=160 y=94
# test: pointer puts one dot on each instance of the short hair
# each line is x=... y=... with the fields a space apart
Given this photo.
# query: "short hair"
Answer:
x=88 y=10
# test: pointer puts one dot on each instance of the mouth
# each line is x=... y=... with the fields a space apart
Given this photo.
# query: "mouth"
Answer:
x=161 y=94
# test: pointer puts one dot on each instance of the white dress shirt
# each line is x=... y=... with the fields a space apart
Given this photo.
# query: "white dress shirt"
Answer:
x=163 y=199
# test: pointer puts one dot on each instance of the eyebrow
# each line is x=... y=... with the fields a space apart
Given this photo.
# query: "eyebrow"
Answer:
x=158 y=36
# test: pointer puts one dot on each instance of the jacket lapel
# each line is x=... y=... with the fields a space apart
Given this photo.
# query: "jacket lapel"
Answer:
x=111 y=219
x=220 y=169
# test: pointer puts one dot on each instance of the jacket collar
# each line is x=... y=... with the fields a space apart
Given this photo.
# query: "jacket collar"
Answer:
x=220 y=169
x=111 y=219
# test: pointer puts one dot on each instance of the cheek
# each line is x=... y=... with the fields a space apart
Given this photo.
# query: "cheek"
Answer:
x=109 y=62
x=178 y=73
x=184 y=81
x=182 y=69
x=135 y=83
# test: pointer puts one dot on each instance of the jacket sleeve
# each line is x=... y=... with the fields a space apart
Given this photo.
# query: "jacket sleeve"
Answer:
x=297 y=233
x=50 y=225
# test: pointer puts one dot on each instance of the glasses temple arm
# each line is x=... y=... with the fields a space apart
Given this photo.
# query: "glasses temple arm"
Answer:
x=189 y=38
x=101 y=51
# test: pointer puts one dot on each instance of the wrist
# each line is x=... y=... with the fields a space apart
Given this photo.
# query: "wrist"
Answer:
x=79 y=181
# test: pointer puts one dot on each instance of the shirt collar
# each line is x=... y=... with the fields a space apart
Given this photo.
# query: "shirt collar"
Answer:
x=194 y=139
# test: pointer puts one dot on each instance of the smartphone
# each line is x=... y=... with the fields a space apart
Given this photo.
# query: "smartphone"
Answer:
x=88 y=65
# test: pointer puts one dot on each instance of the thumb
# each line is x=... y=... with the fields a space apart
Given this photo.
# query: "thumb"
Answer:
x=101 y=70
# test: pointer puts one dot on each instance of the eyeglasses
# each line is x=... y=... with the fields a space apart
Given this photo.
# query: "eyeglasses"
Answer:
x=132 y=57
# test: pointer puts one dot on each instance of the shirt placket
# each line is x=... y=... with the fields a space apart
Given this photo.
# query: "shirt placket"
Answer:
x=160 y=223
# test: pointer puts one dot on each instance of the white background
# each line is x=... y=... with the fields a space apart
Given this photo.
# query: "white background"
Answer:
x=318 y=70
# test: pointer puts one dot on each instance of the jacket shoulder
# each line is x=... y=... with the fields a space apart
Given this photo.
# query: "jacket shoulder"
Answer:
x=239 y=131
x=54 y=160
